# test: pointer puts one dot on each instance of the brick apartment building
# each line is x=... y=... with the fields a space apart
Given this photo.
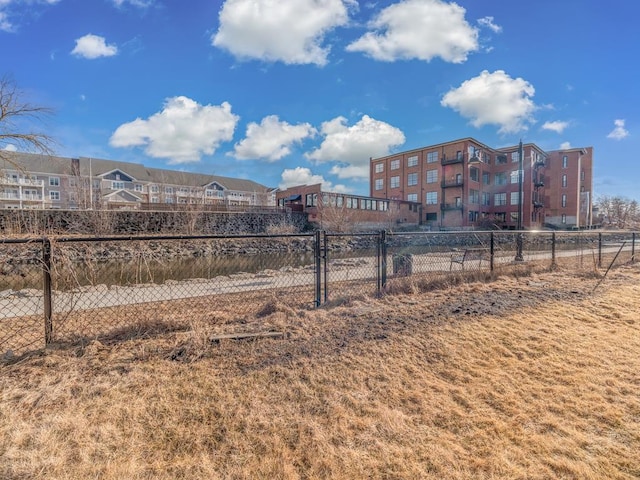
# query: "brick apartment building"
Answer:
x=465 y=183
x=49 y=182
x=342 y=212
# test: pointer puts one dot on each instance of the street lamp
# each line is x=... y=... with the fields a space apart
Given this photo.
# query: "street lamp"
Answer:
x=519 y=256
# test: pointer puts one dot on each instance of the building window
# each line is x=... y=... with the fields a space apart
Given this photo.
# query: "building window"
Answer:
x=432 y=176
x=564 y=180
x=500 y=178
x=432 y=157
x=473 y=216
x=501 y=159
x=500 y=199
x=565 y=161
x=582 y=175
x=138 y=187
x=169 y=200
x=54 y=181
x=168 y=190
x=383 y=206
x=395 y=182
x=514 y=216
x=311 y=199
x=486 y=178
x=54 y=195
x=474 y=196
x=412 y=179
x=379 y=167
x=431 y=198
x=431 y=217
x=412 y=161
x=474 y=174
x=486 y=198
x=395 y=164
x=564 y=200
x=515 y=156
x=155 y=200
x=379 y=183
x=154 y=189
x=412 y=197
x=515 y=176
x=564 y=218
x=515 y=198
x=117 y=185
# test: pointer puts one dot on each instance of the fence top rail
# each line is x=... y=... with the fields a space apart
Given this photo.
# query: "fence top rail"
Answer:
x=353 y=234
x=118 y=238
x=124 y=238
x=21 y=240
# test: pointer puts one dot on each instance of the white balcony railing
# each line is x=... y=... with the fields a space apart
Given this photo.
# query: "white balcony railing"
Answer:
x=24 y=197
x=21 y=181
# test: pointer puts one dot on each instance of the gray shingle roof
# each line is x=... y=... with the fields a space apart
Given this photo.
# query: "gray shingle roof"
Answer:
x=63 y=166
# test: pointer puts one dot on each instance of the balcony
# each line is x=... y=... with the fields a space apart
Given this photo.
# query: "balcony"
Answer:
x=537 y=204
x=452 y=161
x=452 y=183
x=450 y=206
x=21 y=181
x=539 y=163
x=25 y=197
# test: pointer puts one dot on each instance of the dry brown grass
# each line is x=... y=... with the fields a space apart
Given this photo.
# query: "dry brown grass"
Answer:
x=530 y=377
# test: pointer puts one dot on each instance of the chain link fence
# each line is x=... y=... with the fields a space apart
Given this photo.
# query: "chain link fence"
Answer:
x=71 y=290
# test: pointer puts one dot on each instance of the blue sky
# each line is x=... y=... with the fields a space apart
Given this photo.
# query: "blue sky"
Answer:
x=304 y=91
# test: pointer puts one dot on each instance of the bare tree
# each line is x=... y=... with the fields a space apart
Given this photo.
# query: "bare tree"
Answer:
x=15 y=113
x=334 y=214
x=619 y=212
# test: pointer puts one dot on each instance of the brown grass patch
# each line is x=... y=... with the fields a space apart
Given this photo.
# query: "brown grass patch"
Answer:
x=534 y=377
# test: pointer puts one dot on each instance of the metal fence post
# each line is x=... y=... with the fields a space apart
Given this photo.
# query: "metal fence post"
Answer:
x=553 y=249
x=599 y=250
x=318 y=271
x=492 y=249
x=383 y=263
x=325 y=260
x=633 y=247
x=46 y=287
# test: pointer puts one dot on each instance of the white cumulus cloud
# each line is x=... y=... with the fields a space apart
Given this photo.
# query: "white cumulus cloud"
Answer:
x=419 y=29
x=12 y=9
x=494 y=99
x=292 y=177
x=5 y=24
x=93 y=46
x=565 y=145
x=135 y=3
x=352 y=146
x=289 y=31
x=487 y=22
x=182 y=132
x=619 y=132
x=555 y=126
x=271 y=140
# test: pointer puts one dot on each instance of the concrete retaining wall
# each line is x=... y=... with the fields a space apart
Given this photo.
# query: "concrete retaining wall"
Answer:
x=106 y=222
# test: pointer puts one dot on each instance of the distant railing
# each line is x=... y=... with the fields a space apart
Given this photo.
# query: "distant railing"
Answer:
x=21 y=181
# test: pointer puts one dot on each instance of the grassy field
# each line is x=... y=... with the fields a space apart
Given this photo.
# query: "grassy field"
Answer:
x=531 y=377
